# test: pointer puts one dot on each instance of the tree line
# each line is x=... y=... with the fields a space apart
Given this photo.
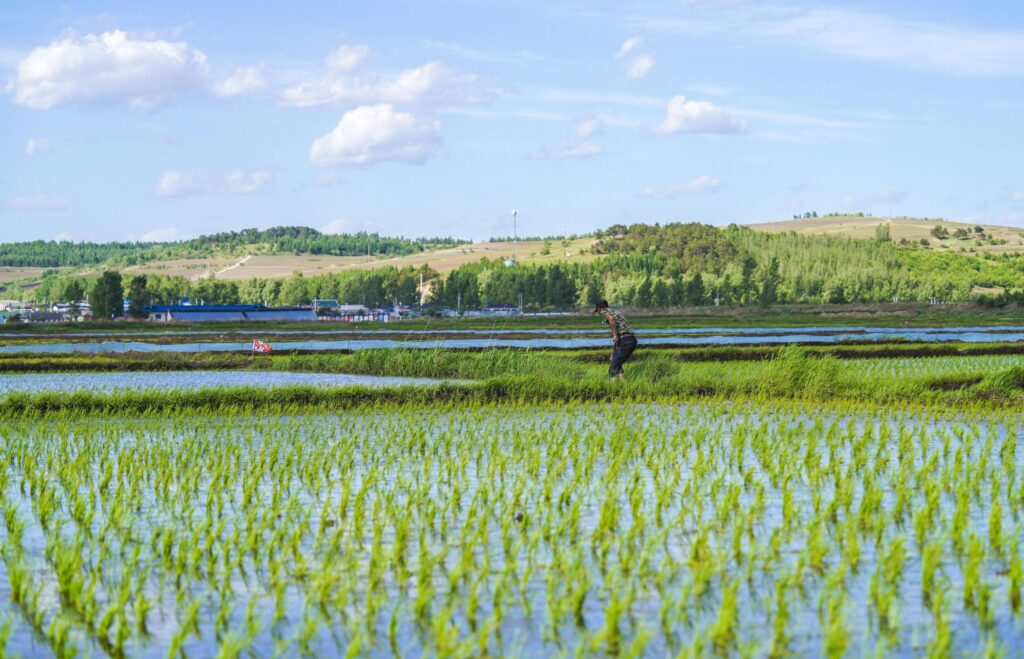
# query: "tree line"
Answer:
x=644 y=266
x=276 y=240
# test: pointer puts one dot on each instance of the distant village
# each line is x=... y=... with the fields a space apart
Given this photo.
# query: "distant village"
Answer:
x=186 y=311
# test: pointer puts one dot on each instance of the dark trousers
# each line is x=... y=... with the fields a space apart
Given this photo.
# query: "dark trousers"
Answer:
x=623 y=349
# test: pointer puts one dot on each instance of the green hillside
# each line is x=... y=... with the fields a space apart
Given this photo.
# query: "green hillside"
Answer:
x=276 y=240
x=645 y=266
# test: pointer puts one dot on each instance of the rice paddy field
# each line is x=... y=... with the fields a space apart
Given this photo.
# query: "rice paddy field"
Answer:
x=615 y=528
x=723 y=503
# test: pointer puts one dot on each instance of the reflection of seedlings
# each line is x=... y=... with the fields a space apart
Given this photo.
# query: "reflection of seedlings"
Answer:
x=768 y=529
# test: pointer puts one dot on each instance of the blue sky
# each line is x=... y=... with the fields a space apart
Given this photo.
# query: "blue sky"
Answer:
x=437 y=118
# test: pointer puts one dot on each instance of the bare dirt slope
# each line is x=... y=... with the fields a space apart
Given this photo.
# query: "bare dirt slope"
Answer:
x=284 y=265
x=12 y=273
x=443 y=260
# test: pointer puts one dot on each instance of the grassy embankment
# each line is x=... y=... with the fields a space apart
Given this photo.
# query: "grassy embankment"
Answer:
x=469 y=363
x=793 y=374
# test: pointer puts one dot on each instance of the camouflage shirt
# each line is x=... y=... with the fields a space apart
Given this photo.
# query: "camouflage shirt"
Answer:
x=620 y=321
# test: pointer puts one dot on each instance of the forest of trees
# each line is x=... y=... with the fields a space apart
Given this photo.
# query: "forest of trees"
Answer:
x=276 y=240
x=377 y=287
x=637 y=266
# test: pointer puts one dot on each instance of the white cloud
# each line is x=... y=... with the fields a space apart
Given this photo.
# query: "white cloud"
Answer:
x=865 y=36
x=347 y=57
x=195 y=184
x=628 y=46
x=39 y=202
x=350 y=226
x=375 y=133
x=911 y=44
x=568 y=150
x=699 y=185
x=159 y=235
x=589 y=126
x=431 y=84
x=520 y=56
x=36 y=145
x=109 y=69
x=685 y=116
x=181 y=184
x=245 y=80
x=64 y=236
x=247 y=181
x=640 y=66
x=890 y=196
x=1017 y=196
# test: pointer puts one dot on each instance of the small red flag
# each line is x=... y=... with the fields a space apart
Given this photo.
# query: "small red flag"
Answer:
x=260 y=346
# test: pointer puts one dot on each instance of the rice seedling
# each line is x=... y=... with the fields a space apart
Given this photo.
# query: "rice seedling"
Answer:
x=465 y=527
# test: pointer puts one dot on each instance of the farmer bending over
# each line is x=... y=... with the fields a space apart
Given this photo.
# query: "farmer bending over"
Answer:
x=622 y=338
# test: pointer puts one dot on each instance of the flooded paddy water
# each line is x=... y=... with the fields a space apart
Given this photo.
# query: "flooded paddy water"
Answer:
x=325 y=340
x=189 y=380
x=609 y=528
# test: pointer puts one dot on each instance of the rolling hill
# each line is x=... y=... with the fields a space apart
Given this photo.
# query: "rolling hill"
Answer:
x=905 y=228
x=835 y=259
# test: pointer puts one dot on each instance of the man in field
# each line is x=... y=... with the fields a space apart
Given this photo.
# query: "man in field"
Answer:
x=622 y=338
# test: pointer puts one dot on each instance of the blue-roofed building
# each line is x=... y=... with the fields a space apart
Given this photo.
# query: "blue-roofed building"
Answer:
x=281 y=314
x=194 y=316
x=207 y=313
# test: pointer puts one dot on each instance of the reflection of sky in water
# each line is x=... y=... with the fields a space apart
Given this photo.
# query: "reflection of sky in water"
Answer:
x=838 y=329
x=780 y=336
x=103 y=382
x=704 y=450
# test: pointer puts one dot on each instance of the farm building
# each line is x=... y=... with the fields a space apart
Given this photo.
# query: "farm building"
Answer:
x=45 y=317
x=495 y=310
x=325 y=306
x=224 y=313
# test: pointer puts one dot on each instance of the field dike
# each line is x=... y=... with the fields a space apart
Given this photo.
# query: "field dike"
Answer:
x=505 y=376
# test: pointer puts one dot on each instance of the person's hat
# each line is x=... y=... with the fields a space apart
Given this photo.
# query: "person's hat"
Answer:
x=601 y=304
